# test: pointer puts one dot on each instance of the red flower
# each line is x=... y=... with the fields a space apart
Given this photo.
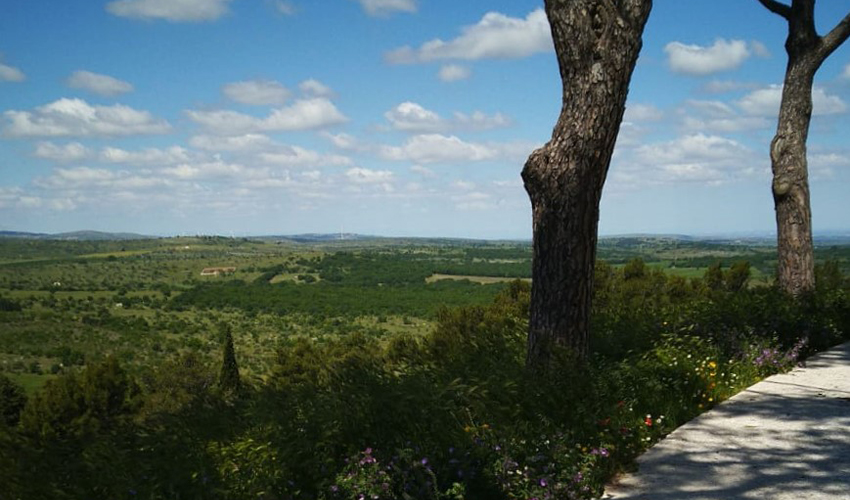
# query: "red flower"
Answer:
x=648 y=421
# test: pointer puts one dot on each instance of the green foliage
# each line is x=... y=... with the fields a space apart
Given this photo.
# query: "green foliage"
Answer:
x=12 y=401
x=77 y=404
x=345 y=393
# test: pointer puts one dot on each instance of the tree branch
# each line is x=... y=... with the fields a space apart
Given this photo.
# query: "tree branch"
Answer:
x=836 y=37
x=778 y=8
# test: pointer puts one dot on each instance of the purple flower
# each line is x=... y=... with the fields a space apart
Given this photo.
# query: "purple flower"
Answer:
x=424 y=461
x=543 y=482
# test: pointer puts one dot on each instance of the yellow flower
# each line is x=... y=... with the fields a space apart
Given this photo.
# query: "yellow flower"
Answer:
x=712 y=364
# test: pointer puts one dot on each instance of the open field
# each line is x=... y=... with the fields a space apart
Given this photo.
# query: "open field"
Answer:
x=145 y=301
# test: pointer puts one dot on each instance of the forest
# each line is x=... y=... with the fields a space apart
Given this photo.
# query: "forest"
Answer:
x=371 y=369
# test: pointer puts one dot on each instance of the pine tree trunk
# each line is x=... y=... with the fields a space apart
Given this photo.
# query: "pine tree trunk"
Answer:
x=796 y=265
x=597 y=43
x=806 y=52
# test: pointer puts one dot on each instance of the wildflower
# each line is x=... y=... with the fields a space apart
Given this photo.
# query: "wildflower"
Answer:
x=712 y=365
x=648 y=421
x=543 y=482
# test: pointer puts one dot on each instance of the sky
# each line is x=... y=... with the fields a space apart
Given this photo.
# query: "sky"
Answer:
x=386 y=117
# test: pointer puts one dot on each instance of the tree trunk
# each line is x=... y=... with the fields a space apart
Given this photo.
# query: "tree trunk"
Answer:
x=796 y=265
x=597 y=43
x=806 y=52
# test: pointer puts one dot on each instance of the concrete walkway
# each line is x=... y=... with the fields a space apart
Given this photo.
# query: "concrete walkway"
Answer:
x=785 y=438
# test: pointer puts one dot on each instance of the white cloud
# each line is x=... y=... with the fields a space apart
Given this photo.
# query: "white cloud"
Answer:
x=453 y=73
x=695 y=158
x=759 y=49
x=257 y=92
x=723 y=86
x=846 y=73
x=423 y=171
x=384 y=7
x=642 y=112
x=295 y=156
x=315 y=88
x=342 y=140
x=436 y=148
x=149 y=156
x=207 y=170
x=691 y=147
x=246 y=142
x=97 y=180
x=360 y=175
x=11 y=74
x=104 y=85
x=821 y=165
x=495 y=36
x=696 y=60
x=306 y=114
x=412 y=117
x=765 y=102
x=473 y=200
x=75 y=117
x=72 y=151
x=170 y=10
x=718 y=117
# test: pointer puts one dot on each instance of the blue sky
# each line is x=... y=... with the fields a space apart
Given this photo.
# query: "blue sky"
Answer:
x=388 y=117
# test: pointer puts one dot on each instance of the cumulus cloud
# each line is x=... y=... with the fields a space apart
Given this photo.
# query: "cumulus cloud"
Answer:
x=104 y=85
x=72 y=151
x=718 y=117
x=385 y=7
x=315 y=88
x=11 y=74
x=423 y=171
x=207 y=170
x=412 y=117
x=642 y=113
x=360 y=175
x=495 y=36
x=765 y=102
x=723 y=86
x=723 y=55
x=93 y=179
x=696 y=146
x=257 y=92
x=148 y=156
x=453 y=73
x=342 y=140
x=437 y=148
x=76 y=117
x=296 y=156
x=239 y=143
x=473 y=200
x=175 y=11
x=695 y=158
x=305 y=114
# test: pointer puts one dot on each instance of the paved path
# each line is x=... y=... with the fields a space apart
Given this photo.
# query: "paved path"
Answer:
x=785 y=438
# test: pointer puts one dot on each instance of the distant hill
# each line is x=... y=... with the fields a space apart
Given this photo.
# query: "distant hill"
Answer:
x=75 y=236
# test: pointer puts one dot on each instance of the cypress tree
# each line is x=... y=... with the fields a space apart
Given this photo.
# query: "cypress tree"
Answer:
x=228 y=379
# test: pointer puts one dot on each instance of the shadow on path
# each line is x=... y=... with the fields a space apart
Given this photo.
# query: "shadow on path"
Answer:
x=787 y=437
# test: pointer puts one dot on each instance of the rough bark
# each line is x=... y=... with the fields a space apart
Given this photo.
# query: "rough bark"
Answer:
x=597 y=43
x=806 y=52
